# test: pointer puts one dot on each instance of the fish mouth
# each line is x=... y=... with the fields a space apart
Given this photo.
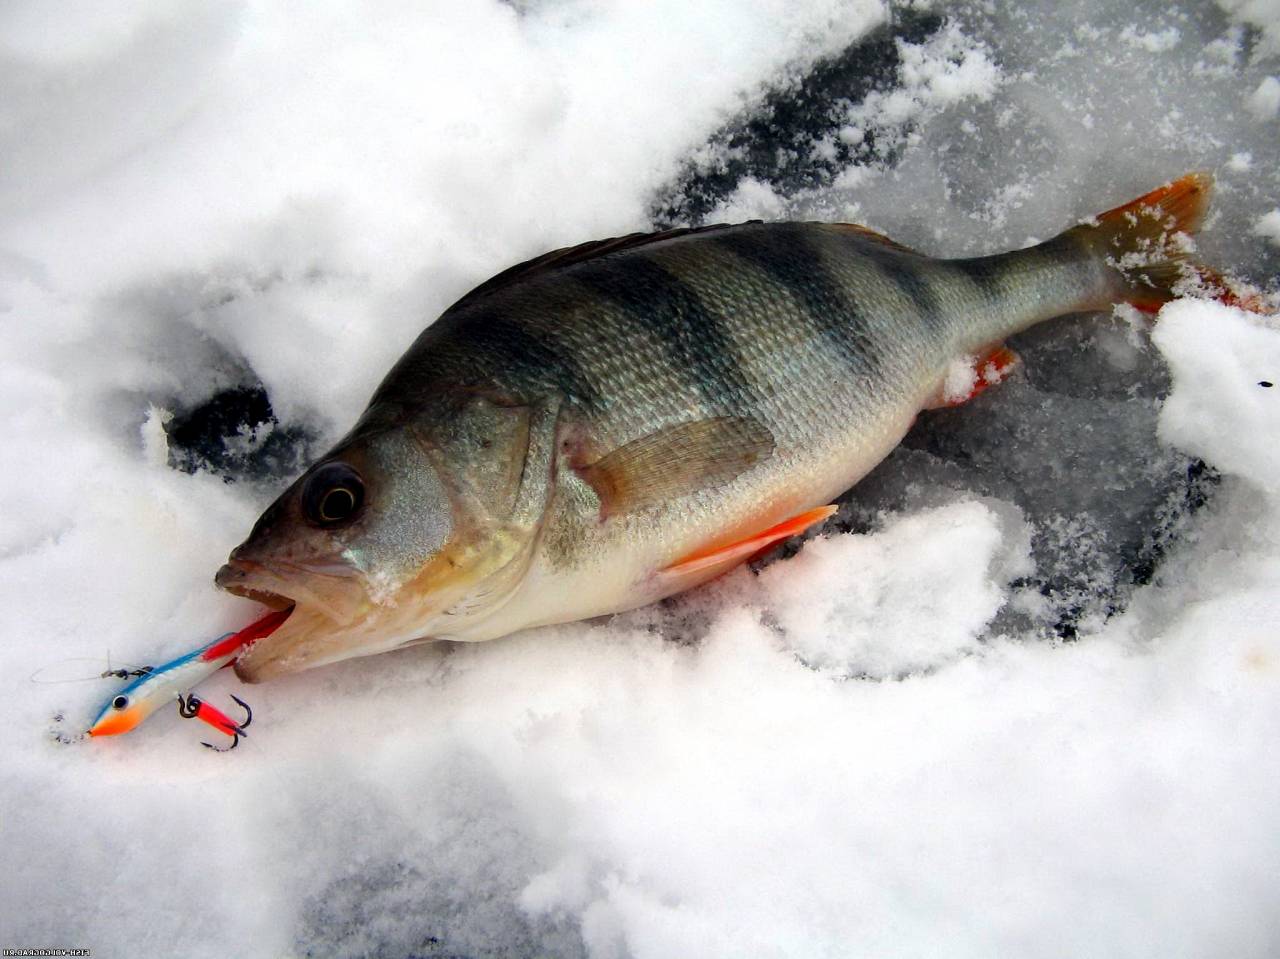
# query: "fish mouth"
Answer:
x=240 y=577
x=272 y=600
x=324 y=600
x=335 y=615
x=326 y=587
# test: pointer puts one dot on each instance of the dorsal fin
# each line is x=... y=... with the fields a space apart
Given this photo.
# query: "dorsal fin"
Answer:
x=570 y=255
x=869 y=234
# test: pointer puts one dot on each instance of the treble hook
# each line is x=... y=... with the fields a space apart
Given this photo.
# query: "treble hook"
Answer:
x=192 y=707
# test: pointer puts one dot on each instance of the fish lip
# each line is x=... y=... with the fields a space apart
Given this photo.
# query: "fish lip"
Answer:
x=280 y=585
x=235 y=576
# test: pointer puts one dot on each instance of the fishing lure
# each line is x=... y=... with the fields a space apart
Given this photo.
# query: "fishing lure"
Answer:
x=155 y=686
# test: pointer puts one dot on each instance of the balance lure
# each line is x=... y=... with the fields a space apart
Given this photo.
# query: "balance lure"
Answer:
x=606 y=425
x=173 y=681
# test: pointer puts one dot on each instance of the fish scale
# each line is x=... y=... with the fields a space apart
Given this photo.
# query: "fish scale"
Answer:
x=612 y=423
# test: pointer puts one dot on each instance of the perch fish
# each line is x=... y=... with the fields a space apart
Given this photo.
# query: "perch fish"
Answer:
x=613 y=423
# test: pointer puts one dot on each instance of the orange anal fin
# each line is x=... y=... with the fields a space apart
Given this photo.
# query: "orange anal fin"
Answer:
x=1231 y=292
x=722 y=557
x=983 y=373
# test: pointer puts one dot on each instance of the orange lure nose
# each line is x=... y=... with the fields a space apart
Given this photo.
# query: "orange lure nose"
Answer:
x=118 y=722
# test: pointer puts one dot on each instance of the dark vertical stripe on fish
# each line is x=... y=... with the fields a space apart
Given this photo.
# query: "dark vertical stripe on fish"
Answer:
x=984 y=272
x=491 y=346
x=782 y=252
x=661 y=302
x=903 y=270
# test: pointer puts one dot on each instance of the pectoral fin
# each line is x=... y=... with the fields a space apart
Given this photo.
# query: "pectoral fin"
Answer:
x=677 y=461
x=722 y=557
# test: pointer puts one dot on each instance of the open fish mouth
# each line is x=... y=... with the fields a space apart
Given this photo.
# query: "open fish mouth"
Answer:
x=238 y=577
x=265 y=597
x=326 y=603
x=332 y=589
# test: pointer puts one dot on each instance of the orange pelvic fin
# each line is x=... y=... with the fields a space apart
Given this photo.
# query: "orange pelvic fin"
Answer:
x=983 y=373
x=723 y=557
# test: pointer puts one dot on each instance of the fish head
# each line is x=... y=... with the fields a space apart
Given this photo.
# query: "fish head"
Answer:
x=397 y=535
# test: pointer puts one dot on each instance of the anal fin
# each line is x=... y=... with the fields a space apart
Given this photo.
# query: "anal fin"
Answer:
x=972 y=376
x=723 y=557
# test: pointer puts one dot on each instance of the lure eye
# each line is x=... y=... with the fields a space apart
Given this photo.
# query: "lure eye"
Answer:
x=333 y=495
x=120 y=702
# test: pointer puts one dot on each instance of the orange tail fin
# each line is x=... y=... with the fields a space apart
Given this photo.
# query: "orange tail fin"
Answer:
x=1147 y=241
x=1178 y=205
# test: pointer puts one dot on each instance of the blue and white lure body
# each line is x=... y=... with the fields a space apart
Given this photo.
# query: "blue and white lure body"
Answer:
x=158 y=685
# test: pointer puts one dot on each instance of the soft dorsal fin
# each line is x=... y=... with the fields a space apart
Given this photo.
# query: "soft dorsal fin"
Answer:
x=570 y=255
x=869 y=234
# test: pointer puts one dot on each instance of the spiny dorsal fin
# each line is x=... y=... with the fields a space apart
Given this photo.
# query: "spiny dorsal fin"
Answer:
x=677 y=461
x=593 y=249
x=570 y=255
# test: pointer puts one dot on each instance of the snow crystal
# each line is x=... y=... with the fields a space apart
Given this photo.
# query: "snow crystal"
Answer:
x=1240 y=162
x=961 y=378
x=1264 y=102
x=1268 y=225
x=1263 y=14
x=1153 y=41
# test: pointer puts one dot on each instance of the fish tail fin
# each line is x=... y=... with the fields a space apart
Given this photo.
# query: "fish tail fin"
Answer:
x=1147 y=243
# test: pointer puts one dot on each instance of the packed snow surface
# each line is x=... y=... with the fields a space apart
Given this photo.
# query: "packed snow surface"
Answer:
x=1030 y=707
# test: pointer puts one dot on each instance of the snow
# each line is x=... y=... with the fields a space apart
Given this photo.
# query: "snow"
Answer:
x=965 y=729
x=1264 y=15
x=1220 y=362
x=837 y=600
x=1154 y=42
x=1268 y=225
x=1264 y=102
x=961 y=378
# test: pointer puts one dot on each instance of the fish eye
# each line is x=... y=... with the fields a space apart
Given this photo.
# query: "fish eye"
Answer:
x=120 y=702
x=333 y=495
